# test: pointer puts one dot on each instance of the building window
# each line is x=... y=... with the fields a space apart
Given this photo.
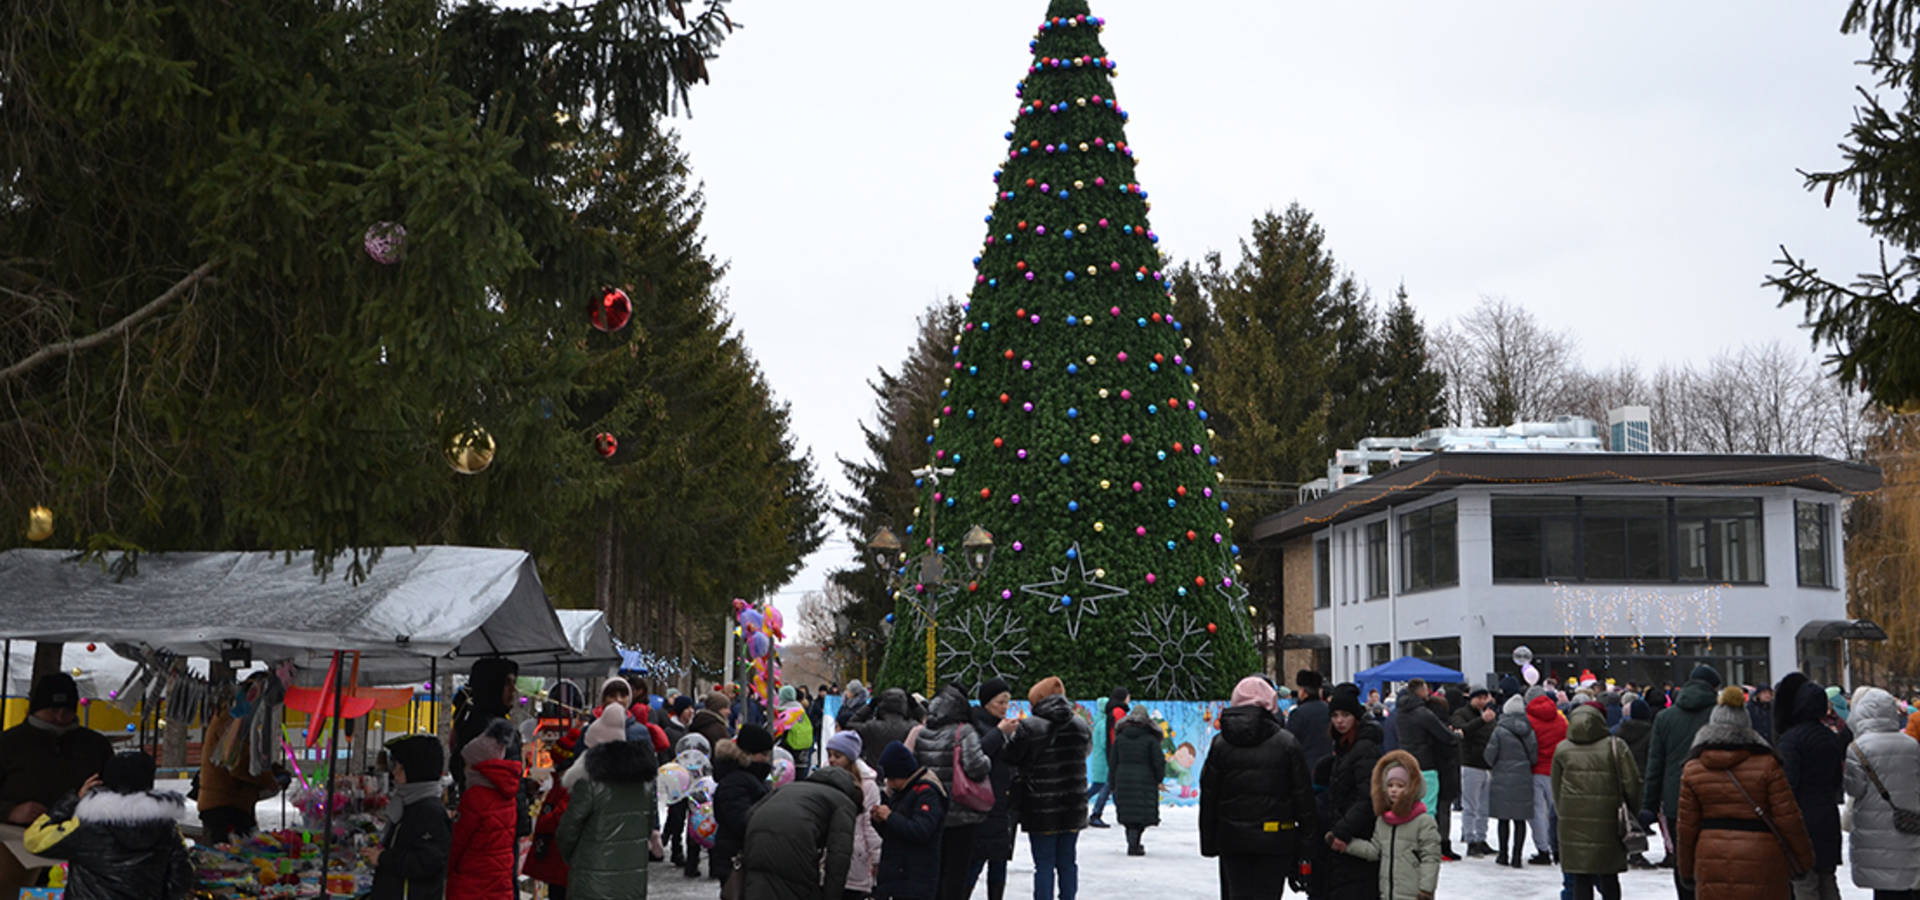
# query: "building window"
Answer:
x=1377 y=584
x=1322 y=574
x=1534 y=538
x=1429 y=547
x=1624 y=539
x=1627 y=539
x=1379 y=654
x=1719 y=540
x=1812 y=530
x=1439 y=651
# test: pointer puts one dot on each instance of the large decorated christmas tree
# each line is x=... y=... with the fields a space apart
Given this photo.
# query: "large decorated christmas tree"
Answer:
x=1072 y=429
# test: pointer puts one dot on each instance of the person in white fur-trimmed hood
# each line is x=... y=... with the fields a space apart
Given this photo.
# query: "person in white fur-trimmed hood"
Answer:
x=118 y=836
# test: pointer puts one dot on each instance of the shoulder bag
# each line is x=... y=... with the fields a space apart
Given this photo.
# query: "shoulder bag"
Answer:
x=1633 y=835
x=1905 y=821
x=974 y=795
x=1786 y=849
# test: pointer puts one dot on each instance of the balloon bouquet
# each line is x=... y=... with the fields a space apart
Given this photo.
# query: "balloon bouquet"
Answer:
x=763 y=631
x=689 y=777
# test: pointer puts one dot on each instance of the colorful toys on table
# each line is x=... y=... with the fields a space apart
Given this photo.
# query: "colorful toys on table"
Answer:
x=282 y=864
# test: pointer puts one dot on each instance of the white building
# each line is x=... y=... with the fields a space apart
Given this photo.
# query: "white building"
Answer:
x=1634 y=566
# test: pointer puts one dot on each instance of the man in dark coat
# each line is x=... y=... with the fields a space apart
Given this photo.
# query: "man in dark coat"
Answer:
x=490 y=695
x=50 y=755
x=1760 y=711
x=1256 y=799
x=1474 y=721
x=1815 y=760
x=1425 y=736
x=993 y=843
x=1667 y=753
x=740 y=770
x=788 y=833
x=1308 y=722
x=890 y=722
x=711 y=721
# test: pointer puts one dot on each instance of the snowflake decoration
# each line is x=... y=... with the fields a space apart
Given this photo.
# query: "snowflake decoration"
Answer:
x=1075 y=597
x=983 y=642
x=1170 y=653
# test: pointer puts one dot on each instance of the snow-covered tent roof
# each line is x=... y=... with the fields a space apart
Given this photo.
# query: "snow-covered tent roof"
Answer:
x=594 y=654
x=415 y=603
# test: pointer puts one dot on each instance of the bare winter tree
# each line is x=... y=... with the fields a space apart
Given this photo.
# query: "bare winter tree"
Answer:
x=1506 y=365
x=1448 y=349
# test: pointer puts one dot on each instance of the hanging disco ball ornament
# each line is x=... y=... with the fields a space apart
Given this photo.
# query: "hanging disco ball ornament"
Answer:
x=470 y=452
x=39 y=523
x=385 y=241
x=613 y=310
x=606 y=444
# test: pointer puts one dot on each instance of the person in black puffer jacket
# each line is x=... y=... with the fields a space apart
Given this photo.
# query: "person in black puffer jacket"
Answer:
x=1474 y=719
x=119 y=836
x=1049 y=758
x=1815 y=760
x=740 y=769
x=1356 y=747
x=993 y=844
x=950 y=725
x=1256 y=799
x=889 y=722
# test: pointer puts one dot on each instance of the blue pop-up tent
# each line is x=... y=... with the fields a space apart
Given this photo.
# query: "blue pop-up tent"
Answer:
x=1405 y=668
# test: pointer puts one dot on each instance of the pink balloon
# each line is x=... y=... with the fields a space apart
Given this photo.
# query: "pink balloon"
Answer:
x=775 y=621
x=1531 y=674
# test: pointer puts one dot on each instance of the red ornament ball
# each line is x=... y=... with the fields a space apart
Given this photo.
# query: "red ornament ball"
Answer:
x=1211 y=628
x=606 y=444
x=985 y=493
x=1200 y=580
x=998 y=443
x=613 y=311
x=91 y=648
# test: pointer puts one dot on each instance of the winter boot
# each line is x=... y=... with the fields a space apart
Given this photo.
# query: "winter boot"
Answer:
x=1096 y=823
x=1446 y=851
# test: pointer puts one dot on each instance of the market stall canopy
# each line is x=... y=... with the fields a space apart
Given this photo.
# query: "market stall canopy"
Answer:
x=594 y=654
x=421 y=602
x=1406 y=668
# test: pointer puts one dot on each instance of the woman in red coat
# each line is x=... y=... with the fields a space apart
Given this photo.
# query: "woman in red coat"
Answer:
x=481 y=864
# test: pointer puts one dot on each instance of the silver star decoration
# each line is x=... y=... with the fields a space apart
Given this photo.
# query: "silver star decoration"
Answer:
x=1083 y=594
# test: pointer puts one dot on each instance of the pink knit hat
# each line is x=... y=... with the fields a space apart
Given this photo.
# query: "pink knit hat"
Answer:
x=1253 y=690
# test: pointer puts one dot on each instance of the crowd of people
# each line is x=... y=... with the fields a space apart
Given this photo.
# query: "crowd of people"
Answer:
x=1327 y=791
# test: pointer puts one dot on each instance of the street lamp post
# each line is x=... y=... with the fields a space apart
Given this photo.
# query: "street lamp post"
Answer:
x=977 y=547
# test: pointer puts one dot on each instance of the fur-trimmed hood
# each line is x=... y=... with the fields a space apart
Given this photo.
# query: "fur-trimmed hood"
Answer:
x=104 y=807
x=1739 y=740
x=614 y=762
x=729 y=752
x=1416 y=783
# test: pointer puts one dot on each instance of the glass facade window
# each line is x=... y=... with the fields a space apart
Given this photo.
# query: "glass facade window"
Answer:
x=1719 y=540
x=1645 y=661
x=1627 y=539
x=1379 y=654
x=1322 y=574
x=1812 y=543
x=1439 y=651
x=1430 y=547
x=1377 y=583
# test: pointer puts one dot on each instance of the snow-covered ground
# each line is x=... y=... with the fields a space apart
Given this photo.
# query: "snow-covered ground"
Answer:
x=1173 y=868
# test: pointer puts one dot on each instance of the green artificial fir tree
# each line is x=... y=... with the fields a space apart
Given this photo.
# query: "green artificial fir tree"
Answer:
x=1072 y=427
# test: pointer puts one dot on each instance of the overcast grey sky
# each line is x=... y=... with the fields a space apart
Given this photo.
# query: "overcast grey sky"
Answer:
x=1623 y=169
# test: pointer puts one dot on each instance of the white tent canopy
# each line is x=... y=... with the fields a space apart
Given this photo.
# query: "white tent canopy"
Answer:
x=415 y=604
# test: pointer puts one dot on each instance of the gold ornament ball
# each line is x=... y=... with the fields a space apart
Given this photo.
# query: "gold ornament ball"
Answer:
x=1103 y=393
x=1099 y=526
x=1095 y=439
x=470 y=452
x=39 y=523
x=1104 y=484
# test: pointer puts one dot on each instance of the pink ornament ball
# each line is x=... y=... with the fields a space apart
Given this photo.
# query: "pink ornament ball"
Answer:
x=1035 y=318
x=1140 y=530
x=1022 y=453
x=1121 y=356
x=1125 y=438
x=1124 y=393
x=1027 y=406
x=937 y=497
x=1103 y=223
x=1017 y=546
x=1138 y=487
x=1151 y=578
x=1006 y=595
x=1114 y=311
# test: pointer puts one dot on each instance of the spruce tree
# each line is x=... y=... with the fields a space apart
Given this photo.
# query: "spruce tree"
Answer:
x=1071 y=422
x=1412 y=391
